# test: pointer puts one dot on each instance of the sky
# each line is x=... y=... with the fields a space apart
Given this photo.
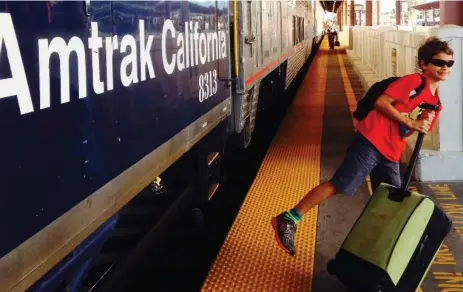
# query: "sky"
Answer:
x=386 y=5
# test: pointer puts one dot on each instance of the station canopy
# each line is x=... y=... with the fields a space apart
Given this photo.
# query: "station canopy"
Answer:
x=331 y=6
x=427 y=6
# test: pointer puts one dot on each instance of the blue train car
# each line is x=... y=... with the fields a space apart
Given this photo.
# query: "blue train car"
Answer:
x=99 y=99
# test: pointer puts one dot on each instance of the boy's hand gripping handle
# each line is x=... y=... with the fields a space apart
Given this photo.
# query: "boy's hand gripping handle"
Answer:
x=402 y=192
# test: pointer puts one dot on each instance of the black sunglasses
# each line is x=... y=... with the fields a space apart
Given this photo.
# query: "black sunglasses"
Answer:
x=441 y=63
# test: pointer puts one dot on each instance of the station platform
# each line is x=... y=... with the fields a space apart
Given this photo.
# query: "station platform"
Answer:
x=309 y=146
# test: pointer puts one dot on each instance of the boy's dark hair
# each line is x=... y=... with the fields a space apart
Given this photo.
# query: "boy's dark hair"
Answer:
x=432 y=47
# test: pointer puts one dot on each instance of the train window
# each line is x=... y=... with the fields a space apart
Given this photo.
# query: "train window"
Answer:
x=295 y=41
x=298 y=30
x=301 y=29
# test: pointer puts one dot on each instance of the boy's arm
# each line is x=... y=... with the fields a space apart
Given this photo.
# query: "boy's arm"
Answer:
x=384 y=105
x=399 y=91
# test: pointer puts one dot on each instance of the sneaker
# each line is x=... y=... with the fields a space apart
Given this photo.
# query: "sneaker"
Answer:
x=284 y=233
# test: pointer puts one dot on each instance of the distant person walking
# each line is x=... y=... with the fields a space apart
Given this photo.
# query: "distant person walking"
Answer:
x=332 y=34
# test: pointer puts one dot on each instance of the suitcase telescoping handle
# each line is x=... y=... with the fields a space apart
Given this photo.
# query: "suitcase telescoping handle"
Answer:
x=403 y=192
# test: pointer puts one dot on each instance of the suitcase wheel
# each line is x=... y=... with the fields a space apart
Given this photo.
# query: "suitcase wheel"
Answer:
x=380 y=288
x=331 y=267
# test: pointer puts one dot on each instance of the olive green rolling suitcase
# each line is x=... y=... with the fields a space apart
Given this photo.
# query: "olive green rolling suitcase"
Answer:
x=394 y=241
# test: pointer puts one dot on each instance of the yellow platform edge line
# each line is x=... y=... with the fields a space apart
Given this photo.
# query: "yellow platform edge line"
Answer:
x=250 y=259
x=352 y=101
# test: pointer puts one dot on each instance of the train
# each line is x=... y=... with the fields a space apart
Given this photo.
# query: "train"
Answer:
x=114 y=113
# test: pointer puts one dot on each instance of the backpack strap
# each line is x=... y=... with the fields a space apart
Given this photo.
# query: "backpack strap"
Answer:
x=420 y=88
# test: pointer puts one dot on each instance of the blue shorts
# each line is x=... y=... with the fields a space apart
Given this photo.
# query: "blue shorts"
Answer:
x=363 y=159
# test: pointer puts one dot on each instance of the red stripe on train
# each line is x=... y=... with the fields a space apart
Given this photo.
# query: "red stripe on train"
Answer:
x=274 y=63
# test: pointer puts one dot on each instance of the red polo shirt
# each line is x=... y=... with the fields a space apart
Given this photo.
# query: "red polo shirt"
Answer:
x=388 y=136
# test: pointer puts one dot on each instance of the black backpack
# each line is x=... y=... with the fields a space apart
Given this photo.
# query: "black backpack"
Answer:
x=367 y=103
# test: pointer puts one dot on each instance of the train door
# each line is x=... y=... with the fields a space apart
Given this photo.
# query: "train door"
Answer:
x=278 y=25
x=281 y=26
x=253 y=37
x=274 y=30
x=284 y=26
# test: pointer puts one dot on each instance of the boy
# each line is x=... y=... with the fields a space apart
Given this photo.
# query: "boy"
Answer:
x=380 y=138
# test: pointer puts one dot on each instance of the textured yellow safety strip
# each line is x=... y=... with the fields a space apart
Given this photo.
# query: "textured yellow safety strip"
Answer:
x=250 y=259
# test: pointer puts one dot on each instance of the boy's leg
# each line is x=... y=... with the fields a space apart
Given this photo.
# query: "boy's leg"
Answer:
x=360 y=159
x=387 y=172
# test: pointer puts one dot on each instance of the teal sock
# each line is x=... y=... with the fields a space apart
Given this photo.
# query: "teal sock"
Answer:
x=293 y=215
